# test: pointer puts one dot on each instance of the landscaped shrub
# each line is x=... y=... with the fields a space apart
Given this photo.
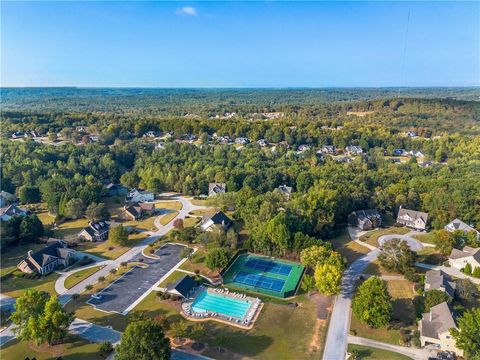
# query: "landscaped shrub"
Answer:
x=89 y=287
x=151 y=251
x=113 y=271
x=467 y=269
x=476 y=272
x=101 y=279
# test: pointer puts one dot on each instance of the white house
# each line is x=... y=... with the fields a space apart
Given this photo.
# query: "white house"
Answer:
x=217 y=219
x=354 y=150
x=136 y=195
x=458 y=224
x=412 y=219
x=459 y=258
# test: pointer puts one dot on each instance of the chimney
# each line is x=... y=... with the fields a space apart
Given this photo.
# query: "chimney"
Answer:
x=29 y=253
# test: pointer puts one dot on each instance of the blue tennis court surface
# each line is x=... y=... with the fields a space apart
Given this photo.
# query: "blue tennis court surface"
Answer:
x=261 y=281
x=268 y=266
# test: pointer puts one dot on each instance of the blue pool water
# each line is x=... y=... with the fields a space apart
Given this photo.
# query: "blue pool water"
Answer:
x=258 y=280
x=210 y=302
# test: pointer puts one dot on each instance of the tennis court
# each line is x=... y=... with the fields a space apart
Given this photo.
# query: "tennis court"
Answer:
x=268 y=266
x=261 y=281
x=265 y=275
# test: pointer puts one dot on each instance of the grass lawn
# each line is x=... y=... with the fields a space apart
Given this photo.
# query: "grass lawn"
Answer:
x=403 y=315
x=176 y=275
x=371 y=237
x=114 y=205
x=108 y=250
x=374 y=268
x=190 y=222
x=197 y=262
x=143 y=224
x=201 y=212
x=45 y=217
x=13 y=255
x=74 y=348
x=170 y=205
x=79 y=276
x=15 y=287
x=69 y=228
x=199 y=202
x=371 y=353
x=347 y=247
x=428 y=238
x=165 y=219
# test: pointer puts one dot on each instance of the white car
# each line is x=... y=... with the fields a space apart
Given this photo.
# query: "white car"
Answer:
x=96 y=297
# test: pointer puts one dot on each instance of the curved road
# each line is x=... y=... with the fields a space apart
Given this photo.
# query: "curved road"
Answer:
x=339 y=326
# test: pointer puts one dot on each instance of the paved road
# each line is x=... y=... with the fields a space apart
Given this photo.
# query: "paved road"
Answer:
x=336 y=344
x=124 y=292
x=414 y=353
x=130 y=254
x=413 y=243
x=94 y=333
x=450 y=271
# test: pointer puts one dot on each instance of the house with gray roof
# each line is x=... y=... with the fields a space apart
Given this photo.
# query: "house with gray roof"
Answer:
x=6 y=198
x=217 y=219
x=7 y=212
x=439 y=280
x=353 y=150
x=95 y=231
x=367 y=219
x=285 y=191
x=55 y=254
x=459 y=258
x=458 y=224
x=434 y=328
x=216 y=188
x=413 y=219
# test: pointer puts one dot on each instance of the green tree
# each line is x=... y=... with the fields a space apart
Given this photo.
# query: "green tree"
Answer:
x=143 y=340
x=29 y=194
x=179 y=329
x=31 y=228
x=118 y=235
x=432 y=298
x=308 y=283
x=466 y=290
x=315 y=254
x=328 y=278
x=467 y=269
x=395 y=255
x=28 y=311
x=372 y=304
x=55 y=321
x=444 y=242
x=217 y=259
x=74 y=209
x=97 y=212
x=476 y=272
x=466 y=336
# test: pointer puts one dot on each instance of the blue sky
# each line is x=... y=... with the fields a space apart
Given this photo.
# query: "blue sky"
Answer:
x=239 y=44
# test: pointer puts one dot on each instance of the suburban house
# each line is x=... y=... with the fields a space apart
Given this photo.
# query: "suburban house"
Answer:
x=7 y=212
x=413 y=219
x=95 y=231
x=55 y=254
x=439 y=280
x=136 y=211
x=459 y=258
x=343 y=159
x=216 y=188
x=150 y=134
x=303 y=148
x=285 y=190
x=411 y=134
x=116 y=190
x=183 y=288
x=435 y=328
x=136 y=196
x=6 y=198
x=18 y=135
x=242 y=140
x=262 y=142
x=217 y=219
x=399 y=152
x=329 y=149
x=365 y=219
x=354 y=150
x=415 y=153
x=81 y=128
x=458 y=224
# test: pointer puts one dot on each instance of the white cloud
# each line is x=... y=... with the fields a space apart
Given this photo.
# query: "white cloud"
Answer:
x=187 y=10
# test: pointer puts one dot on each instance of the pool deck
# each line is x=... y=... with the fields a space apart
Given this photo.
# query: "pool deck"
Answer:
x=222 y=320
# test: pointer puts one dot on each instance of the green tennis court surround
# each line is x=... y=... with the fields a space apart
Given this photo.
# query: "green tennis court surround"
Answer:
x=268 y=276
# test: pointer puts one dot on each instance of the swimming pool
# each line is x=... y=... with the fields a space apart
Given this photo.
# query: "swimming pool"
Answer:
x=210 y=302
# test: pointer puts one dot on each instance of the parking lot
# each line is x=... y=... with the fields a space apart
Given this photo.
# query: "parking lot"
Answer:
x=122 y=293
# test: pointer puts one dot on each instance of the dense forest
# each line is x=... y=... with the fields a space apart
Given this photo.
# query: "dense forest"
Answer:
x=325 y=190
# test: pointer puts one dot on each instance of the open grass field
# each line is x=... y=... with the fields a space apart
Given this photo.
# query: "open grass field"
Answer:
x=371 y=237
x=79 y=276
x=70 y=228
x=114 y=205
x=428 y=238
x=190 y=221
x=74 y=348
x=403 y=315
x=145 y=224
x=45 y=217
x=170 y=205
x=13 y=255
x=430 y=255
x=371 y=353
x=197 y=262
x=374 y=268
x=200 y=202
x=347 y=247
x=165 y=219
x=108 y=250
x=15 y=287
x=201 y=212
x=176 y=275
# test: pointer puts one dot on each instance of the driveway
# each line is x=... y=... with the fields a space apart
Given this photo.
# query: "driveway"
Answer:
x=127 y=290
x=413 y=243
x=94 y=333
